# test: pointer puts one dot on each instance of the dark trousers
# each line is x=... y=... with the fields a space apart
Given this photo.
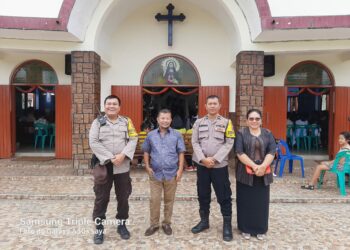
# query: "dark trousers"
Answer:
x=122 y=186
x=220 y=179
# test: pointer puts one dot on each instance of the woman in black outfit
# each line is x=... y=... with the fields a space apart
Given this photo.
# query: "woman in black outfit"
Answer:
x=255 y=148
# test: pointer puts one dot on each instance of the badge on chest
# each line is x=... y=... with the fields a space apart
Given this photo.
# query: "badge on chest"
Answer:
x=220 y=128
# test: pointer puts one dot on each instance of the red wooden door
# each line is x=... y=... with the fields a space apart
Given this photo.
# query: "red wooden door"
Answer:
x=275 y=111
x=341 y=116
x=5 y=124
x=222 y=92
x=131 y=103
x=63 y=121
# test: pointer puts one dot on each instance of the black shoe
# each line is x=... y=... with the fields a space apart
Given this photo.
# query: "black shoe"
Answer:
x=123 y=231
x=203 y=224
x=227 y=229
x=151 y=230
x=98 y=236
x=167 y=229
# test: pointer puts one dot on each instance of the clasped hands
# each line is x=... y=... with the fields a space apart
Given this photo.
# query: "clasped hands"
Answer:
x=259 y=170
x=209 y=162
x=118 y=159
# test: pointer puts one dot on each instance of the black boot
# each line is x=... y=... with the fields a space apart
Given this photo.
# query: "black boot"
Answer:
x=98 y=236
x=123 y=231
x=203 y=224
x=227 y=229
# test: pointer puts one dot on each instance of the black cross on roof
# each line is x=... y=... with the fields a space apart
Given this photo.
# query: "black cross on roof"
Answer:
x=170 y=18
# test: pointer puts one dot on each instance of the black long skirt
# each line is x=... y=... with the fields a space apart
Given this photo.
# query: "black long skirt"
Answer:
x=253 y=206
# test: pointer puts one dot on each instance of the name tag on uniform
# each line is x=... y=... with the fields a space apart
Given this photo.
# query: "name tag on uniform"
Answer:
x=220 y=129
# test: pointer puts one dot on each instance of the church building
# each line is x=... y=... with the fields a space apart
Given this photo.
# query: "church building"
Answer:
x=59 y=59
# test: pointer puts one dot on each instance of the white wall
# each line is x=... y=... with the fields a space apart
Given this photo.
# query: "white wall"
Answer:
x=337 y=63
x=201 y=38
x=9 y=62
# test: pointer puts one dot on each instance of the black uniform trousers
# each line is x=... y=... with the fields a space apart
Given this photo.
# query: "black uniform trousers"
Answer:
x=219 y=177
x=123 y=189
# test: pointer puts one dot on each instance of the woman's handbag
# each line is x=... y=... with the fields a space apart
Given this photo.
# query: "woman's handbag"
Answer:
x=250 y=170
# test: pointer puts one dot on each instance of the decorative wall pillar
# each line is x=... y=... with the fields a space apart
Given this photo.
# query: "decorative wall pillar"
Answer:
x=249 y=84
x=86 y=85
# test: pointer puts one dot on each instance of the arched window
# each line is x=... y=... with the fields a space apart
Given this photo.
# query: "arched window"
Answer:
x=170 y=70
x=309 y=73
x=34 y=72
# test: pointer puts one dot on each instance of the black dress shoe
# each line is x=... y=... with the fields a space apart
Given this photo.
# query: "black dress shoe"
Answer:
x=98 y=236
x=167 y=229
x=151 y=230
x=123 y=231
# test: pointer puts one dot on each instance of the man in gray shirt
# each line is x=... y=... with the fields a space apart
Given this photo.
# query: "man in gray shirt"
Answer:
x=212 y=140
x=113 y=140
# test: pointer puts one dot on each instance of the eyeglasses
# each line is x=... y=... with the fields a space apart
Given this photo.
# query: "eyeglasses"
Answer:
x=254 y=119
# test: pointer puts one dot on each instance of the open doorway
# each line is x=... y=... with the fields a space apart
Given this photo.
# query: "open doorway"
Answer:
x=35 y=120
x=308 y=120
x=182 y=102
x=309 y=109
x=33 y=85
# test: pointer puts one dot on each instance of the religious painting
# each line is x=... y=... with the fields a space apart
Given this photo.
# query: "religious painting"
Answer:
x=170 y=71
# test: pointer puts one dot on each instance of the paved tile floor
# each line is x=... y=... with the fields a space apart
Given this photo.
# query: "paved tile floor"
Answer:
x=63 y=224
x=43 y=206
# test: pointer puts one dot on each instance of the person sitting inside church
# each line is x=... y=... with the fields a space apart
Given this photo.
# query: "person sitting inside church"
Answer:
x=177 y=122
x=344 y=143
x=41 y=120
x=301 y=121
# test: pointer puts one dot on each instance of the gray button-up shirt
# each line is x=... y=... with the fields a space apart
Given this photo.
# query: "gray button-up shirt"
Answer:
x=114 y=138
x=164 y=152
x=212 y=139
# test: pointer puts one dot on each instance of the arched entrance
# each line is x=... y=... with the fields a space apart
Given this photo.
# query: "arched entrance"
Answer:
x=33 y=90
x=153 y=84
x=309 y=108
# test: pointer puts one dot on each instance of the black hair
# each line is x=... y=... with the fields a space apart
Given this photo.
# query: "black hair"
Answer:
x=112 y=97
x=164 y=111
x=346 y=135
x=254 y=110
x=212 y=97
x=145 y=125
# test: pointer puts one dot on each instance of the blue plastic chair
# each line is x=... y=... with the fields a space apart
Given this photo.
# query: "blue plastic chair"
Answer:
x=340 y=174
x=283 y=146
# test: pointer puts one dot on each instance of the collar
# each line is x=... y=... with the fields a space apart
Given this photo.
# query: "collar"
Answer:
x=218 y=117
x=168 y=130
x=116 y=121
